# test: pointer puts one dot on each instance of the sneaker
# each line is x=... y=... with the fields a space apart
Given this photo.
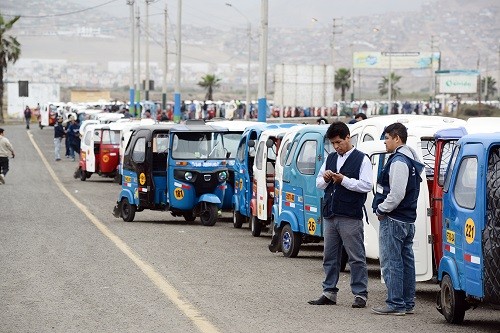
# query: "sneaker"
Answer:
x=2 y=179
x=388 y=311
x=410 y=311
x=359 y=303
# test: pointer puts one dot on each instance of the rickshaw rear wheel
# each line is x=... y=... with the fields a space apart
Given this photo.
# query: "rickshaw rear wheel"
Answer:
x=290 y=242
x=128 y=211
x=209 y=214
x=453 y=303
x=238 y=219
x=83 y=175
x=189 y=216
x=255 y=226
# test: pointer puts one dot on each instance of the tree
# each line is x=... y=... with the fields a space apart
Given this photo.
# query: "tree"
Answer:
x=384 y=84
x=209 y=82
x=343 y=81
x=10 y=50
x=488 y=85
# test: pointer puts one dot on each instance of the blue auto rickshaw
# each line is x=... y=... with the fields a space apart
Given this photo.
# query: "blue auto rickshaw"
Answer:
x=178 y=168
x=243 y=171
x=469 y=269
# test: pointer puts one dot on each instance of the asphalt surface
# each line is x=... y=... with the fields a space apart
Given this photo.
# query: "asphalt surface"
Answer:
x=68 y=265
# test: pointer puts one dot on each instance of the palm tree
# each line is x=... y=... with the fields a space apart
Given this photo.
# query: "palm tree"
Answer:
x=343 y=81
x=384 y=84
x=488 y=85
x=209 y=82
x=10 y=50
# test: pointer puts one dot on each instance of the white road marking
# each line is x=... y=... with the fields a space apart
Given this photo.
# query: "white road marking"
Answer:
x=161 y=283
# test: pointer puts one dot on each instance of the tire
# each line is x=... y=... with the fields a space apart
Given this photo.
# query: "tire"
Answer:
x=128 y=211
x=238 y=219
x=290 y=242
x=344 y=259
x=83 y=175
x=255 y=226
x=453 y=304
x=189 y=217
x=209 y=214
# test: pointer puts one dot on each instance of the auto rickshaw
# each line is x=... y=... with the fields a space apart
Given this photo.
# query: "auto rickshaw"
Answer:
x=180 y=168
x=468 y=270
x=99 y=151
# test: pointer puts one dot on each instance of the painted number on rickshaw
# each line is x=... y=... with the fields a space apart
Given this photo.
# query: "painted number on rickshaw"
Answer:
x=470 y=231
x=142 y=178
x=450 y=237
x=105 y=158
x=179 y=193
x=311 y=226
x=289 y=197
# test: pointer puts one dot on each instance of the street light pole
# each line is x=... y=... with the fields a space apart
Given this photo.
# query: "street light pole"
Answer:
x=132 y=57
x=146 y=83
x=263 y=61
x=249 y=31
x=177 y=93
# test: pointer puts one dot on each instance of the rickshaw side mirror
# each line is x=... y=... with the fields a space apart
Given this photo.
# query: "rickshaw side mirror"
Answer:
x=269 y=143
x=251 y=143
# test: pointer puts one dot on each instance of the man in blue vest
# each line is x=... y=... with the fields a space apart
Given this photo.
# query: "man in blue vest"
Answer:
x=346 y=176
x=395 y=204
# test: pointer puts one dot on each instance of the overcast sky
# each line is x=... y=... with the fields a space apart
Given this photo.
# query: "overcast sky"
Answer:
x=297 y=13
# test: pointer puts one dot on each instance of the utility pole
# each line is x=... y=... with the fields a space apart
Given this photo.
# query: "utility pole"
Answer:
x=165 y=63
x=132 y=56
x=138 y=95
x=335 y=26
x=177 y=93
x=432 y=89
x=263 y=61
x=146 y=83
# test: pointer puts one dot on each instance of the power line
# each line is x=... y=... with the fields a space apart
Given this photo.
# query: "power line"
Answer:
x=64 y=14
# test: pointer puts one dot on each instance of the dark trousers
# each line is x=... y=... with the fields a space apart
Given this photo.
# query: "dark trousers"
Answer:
x=4 y=165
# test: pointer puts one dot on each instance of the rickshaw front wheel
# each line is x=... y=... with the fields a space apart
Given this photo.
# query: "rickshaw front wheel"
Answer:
x=238 y=219
x=209 y=214
x=290 y=242
x=453 y=303
x=128 y=210
x=255 y=226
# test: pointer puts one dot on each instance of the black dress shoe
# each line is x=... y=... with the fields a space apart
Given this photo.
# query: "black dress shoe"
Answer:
x=323 y=300
x=359 y=303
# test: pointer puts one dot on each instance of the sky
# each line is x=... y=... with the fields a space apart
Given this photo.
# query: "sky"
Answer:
x=216 y=13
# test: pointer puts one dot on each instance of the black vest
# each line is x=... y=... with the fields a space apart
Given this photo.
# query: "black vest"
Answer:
x=338 y=200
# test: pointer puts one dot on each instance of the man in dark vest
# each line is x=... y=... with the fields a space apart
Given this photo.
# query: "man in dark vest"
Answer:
x=395 y=204
x=346 y=176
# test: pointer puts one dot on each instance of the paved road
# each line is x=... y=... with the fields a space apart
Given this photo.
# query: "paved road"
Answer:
x=67 y=265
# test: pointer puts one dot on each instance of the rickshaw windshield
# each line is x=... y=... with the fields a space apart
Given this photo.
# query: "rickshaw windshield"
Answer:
x=194 y=145
x=110 y=137
x=231 y=141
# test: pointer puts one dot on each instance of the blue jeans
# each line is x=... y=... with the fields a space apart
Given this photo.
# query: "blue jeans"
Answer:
x=398 y=263
x=349 y=232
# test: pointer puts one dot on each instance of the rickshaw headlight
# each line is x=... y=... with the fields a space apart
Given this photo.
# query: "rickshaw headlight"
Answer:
x=188 y=176
x=222 y=176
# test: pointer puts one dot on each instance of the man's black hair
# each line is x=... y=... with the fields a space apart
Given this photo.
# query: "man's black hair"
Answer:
x=337 y=128
x=397 y=129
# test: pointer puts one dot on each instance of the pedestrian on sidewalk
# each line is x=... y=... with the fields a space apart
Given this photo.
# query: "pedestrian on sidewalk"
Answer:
x=395 y=204
x=27 y=116
x=6 y=151
x=59 y=134
x=346 y=176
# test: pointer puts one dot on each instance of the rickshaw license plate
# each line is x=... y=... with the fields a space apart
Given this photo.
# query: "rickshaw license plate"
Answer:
x=290 y=197
x=450 y=237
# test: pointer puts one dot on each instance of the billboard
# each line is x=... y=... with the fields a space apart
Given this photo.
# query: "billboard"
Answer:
x=396 y=60
x=303 y=85
x=458 y=81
